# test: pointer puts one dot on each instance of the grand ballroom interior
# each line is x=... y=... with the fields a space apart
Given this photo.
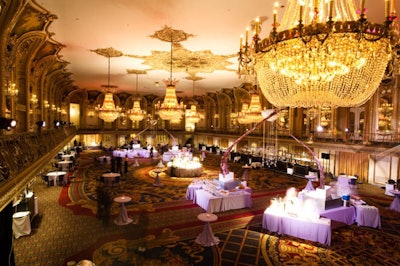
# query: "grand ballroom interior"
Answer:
x=188 y=132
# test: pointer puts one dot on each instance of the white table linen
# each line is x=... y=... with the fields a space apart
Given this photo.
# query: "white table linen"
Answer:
x=21 y=224
x=318 y=230
x=211 y=203
x=54 y=177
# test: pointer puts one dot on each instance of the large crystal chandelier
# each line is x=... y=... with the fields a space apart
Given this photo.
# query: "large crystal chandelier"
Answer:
x=108 y=111
x=324 y=53
x=136 y=113
x=170 y=109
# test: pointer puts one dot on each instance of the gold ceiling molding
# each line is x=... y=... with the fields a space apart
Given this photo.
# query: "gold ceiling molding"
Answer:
x=183 y=60
x=186 y=61
x=168 y=34
x=108 y=52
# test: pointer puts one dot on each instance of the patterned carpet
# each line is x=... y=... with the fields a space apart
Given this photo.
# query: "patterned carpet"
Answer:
x=166 y=224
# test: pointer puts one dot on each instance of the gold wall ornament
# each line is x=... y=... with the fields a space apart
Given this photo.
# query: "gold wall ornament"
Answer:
x=317 y=57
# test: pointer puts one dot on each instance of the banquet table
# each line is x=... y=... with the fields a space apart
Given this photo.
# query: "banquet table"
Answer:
x=191 y=190
x=55 y=177
x=64 y=165
x=395 y=205
x=67 y=157
x=21 y=225
x=122 y=218
x=367 y=215
x=183 y=172
x=345 y=215
x=109 y=178
x=317 y=230
x=216 y=203
x=206 y=237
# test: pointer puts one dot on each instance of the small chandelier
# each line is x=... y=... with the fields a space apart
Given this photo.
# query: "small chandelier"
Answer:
x=192 y=116
x=317 y=59
x=108 y=111
x=136 y=113
x=251 y=113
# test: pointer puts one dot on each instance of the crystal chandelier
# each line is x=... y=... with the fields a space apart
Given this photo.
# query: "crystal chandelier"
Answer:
x=108 y=111
x=136 y=113
x=251 y=113
x=170 y=109
x=192 y=116
x=324 y=54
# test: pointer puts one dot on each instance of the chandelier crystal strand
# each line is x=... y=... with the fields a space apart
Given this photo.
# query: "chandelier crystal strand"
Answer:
x=324 y=54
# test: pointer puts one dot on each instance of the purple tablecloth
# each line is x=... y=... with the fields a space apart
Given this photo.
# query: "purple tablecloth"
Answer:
x=395 y=205
x=345 y=215
x=368 y=216
x=211 y=203
x=314 y=230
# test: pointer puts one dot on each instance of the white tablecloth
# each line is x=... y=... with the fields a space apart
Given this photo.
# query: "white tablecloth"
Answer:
x=318 y=230
x=211 y=203
x=54 y=177
x=21 y=224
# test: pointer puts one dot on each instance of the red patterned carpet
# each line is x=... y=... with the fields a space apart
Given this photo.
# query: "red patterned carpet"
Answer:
x=165 y=223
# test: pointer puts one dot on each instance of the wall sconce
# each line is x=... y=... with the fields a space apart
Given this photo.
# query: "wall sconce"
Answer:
x=57 y=123
x=7 y=123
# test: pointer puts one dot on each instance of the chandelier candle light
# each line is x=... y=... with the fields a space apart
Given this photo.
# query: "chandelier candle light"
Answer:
x=323 y=53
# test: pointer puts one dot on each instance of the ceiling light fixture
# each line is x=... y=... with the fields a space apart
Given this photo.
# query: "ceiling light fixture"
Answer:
x=192 y=116
x=136 y=113
x=108 y=111
x=326 y=53
x=251 y=113
x=170 y=109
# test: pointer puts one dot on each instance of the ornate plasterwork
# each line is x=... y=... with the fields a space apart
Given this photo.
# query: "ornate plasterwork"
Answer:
x=185 y=61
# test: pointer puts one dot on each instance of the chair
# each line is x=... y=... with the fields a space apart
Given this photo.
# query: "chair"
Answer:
x=45 y=179
x=116 y=180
